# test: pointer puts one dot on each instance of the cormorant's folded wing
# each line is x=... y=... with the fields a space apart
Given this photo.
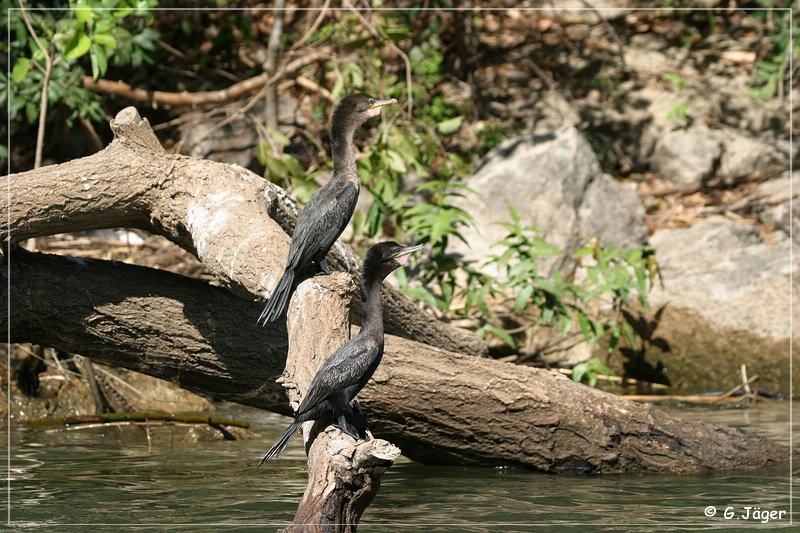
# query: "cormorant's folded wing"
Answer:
x=322 y=221
x=344 y=368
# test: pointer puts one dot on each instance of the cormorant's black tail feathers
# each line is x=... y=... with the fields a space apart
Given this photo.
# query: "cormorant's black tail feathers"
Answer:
x=279 y=300
x=280 y=445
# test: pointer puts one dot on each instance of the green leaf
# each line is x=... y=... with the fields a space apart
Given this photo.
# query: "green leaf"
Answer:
x=20 y=70
x=277 y=167
x=146 y=38
x=450 y=125
x=498 y=332
x=542 y=248
x=105 y=39
x=279 y=137
x=586 y=327
x=395 y=162
x=578 y=371
x=375 y=218
x=338 y=88
x=356 y=75
x=521 y=302
x=99 y=61
x=294 y=168
x=514 y=212
x=77 y=46
x=674 y=79
x=31 y=111
x=83 y=13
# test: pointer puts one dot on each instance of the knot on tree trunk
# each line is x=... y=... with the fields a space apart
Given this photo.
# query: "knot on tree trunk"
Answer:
x=133 y=131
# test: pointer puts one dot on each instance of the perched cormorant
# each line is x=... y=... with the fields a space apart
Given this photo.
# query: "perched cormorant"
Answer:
x=329 y=210
x=346 y=372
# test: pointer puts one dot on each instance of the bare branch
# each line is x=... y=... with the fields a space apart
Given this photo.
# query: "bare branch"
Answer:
x=48 y=69
x=237 y=90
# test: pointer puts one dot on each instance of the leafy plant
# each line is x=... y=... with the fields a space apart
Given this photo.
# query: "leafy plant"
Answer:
x=674 y=79
x=678 y=112
x=770 y=72
x=590 y=370
x=613 y=278
x=90 y=31
x=284 y=169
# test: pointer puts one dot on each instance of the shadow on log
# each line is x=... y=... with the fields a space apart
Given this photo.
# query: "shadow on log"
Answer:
x=343 y=475
x=439 y=407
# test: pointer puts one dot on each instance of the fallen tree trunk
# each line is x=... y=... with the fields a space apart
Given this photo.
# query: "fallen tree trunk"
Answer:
x=235 y=222
x=437 y=406
x=343 y=475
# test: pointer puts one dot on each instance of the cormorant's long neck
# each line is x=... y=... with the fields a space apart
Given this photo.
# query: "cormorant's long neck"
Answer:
x=372 y=316
x=343 y=153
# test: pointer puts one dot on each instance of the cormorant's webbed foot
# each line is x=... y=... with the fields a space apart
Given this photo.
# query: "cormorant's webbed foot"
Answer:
x=324 y=267
x=355 y=417
x=351 y=430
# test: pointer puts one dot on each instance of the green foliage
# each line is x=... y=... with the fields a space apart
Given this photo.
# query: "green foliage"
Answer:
x=678 y=112
x=492 y=135
x=674 y=79
x=283 y=169
x=613 y=276
x=91 y=33
x=590 y=370
x=411 y=169
x=771 y=71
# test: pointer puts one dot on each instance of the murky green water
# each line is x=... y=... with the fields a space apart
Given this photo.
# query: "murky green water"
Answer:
x=105 y=479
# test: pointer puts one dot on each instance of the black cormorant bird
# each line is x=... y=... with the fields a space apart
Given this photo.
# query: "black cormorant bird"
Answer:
x=329 y=210
x=346 y=372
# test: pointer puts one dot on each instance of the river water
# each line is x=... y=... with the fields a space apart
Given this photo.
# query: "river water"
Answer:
x=112 y=479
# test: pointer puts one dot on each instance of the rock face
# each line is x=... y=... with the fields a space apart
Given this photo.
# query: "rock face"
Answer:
x=727 y=298
x=687 y=157
x=721 y=269
x=556 y=184
x=772 y=205
x=745 y=156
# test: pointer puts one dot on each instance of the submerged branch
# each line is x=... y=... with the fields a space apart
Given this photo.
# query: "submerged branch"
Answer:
x=151 y=416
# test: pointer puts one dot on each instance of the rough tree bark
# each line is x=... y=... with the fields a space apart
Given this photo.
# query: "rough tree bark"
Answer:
x=343 y=475
x=439 y=407
x=227 y=216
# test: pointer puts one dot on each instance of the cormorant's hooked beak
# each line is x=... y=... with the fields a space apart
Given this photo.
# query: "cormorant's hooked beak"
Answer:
x=375 y=107
x=401 y=256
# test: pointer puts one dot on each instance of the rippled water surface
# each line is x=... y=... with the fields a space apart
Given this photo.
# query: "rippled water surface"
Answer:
x=105 y=479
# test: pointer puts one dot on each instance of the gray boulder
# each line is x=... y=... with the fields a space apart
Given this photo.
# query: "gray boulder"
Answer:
x=687 y=157
x=556 y=184
x=775 y=203
x=747 y=157
x=727 y=302
x=722 y=270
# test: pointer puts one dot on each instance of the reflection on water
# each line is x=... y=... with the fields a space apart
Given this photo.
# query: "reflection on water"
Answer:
x=71 y=480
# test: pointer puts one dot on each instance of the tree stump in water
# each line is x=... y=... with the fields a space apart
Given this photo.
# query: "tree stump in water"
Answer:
x=343 y=475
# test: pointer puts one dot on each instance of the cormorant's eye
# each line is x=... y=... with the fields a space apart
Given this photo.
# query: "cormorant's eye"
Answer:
x=371 y=101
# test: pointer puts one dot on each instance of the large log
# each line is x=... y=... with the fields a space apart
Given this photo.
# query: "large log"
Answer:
x=437 y=406
x=234 y=221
